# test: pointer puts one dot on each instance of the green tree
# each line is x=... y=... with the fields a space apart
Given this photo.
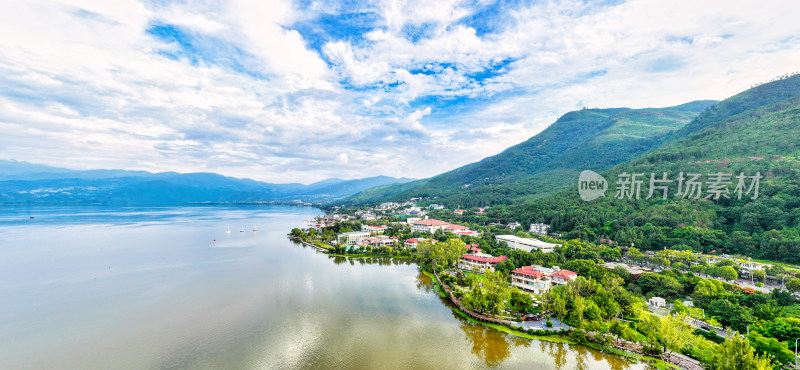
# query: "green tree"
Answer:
x=520 y=302
x=727 y=272
x=442 y=254
x=496 y=291
x=736 y=353
x=555 y=303
x=776 y=349
x=793 y=285
x=759 y=275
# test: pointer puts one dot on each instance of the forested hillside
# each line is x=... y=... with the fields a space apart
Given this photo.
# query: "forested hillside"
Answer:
x=753 y=142
x=545 y=163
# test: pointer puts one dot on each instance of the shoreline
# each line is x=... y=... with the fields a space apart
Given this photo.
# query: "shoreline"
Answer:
x=556 y=337
x=323 y=250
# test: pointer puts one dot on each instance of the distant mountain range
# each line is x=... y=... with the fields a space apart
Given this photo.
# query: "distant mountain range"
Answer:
x=27 y=183
x=547 y=163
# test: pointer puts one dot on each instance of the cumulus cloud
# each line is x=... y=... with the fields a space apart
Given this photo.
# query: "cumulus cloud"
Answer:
x=283 y=91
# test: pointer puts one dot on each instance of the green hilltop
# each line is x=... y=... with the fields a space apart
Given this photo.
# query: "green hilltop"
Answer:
x=755 y=132
x=549 y=161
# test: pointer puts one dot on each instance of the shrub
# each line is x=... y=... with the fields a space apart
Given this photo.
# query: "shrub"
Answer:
x=577 y=336
x=549 y=324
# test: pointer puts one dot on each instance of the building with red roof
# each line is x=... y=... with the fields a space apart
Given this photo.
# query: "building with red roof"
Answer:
x=529 y=280
x=373 y=229
x=428 y=226
x=562 y=277
x=537 y=279
x=480 y=261
x=413 y=242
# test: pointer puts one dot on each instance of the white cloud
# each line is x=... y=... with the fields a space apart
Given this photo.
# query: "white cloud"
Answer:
x=84 y=84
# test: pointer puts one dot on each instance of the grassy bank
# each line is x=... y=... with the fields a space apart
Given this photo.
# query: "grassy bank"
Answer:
x=367 y=255
x=558 y=338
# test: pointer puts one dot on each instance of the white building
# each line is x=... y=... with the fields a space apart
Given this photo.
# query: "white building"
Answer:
x=526 y=244
x=353 y=237
x=379 y=241
x=479 y=262
x=453 y=228
x=538 y=279
x=428 y=226
x=657 y=302
x=514 y=225
x=373 y=229
x=528 y=280
x=540 y=229
x=413 y=242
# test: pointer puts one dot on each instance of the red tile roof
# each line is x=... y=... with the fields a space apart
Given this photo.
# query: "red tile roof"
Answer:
x=431 y=222
x=485 y=259
x=528 y=270
x=564 y=274
x=455 y=227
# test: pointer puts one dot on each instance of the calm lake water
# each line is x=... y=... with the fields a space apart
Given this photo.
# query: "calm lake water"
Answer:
x=138 y=288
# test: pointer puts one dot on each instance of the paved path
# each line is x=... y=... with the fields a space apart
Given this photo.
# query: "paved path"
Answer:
x=542 y=325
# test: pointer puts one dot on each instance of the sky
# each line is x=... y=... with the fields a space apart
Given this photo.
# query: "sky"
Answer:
x=300 y=91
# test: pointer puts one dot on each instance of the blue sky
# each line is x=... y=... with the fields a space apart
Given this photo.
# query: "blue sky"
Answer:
x=287 y=91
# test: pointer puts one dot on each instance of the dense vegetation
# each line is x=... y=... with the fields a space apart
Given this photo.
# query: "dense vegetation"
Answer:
x=547 y=162
x=761 y=142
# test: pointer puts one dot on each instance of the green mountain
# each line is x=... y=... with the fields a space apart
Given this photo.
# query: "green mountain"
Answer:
x=753 y=133
x=545 y=163
x=32 y=184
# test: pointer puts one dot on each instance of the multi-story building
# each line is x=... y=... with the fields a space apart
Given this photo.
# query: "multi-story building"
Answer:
x=353 y=237
x=428 y=226
x=562 y=277
x=528 y=280
x=540 y=229
x=537 y=279
x=453 y=228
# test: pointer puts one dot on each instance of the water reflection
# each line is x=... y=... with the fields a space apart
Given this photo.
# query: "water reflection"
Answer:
x=489 y=345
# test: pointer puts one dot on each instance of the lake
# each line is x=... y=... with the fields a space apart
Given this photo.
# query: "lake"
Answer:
x=134 y=288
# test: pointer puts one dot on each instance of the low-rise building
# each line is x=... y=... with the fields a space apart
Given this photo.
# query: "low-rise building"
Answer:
x=379 y=241
x=562 y=277
x=479 y=262
x=540 y=229
x=634 y=271
x=526 y=244
x=514 y=225
x=428 y=226
x=413 y=242
x=529 y=280
x=373 y=229
x=657 y=302
x=352 y=237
